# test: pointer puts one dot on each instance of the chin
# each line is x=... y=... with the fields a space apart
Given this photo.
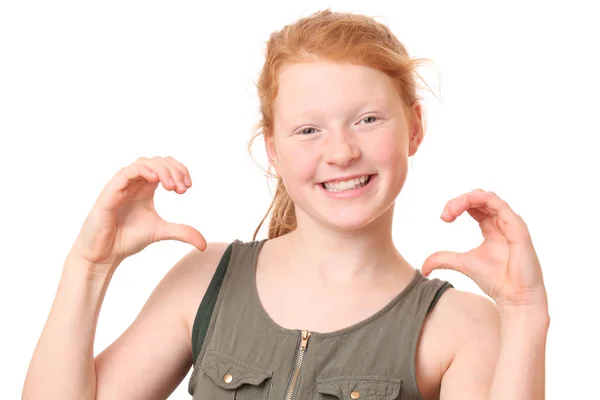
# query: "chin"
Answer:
x=353 y=220
x=347 y=225
x=367 y=206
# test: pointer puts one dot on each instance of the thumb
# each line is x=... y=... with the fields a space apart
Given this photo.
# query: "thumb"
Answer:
x=183 y=233
x=446 y=260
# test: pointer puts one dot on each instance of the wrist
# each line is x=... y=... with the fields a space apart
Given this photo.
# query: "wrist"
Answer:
x=90 y=270
x=529 y=305
x=534 y=316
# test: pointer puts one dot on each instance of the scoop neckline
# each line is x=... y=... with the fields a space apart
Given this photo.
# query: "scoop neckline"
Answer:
x=324 y=335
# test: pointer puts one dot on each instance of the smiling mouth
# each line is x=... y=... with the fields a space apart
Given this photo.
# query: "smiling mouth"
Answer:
x=350 y=184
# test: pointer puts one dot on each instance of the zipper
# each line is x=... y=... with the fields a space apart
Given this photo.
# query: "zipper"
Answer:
x=299 y=359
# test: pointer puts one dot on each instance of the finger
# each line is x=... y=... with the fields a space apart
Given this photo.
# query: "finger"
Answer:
x=117 y=188
x=134 y=172
x=478 y=215
x=455 y=207
x=180 y=174
x=174 y=172
x=182 y=233
x=483 y=215
x=187 y=180
x=510 y=224
x=446 y=260
x=161 y=169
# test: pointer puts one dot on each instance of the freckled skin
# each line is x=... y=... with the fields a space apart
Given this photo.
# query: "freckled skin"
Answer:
x=334 y=120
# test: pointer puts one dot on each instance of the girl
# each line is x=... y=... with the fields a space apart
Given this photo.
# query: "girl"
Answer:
x=327 y=307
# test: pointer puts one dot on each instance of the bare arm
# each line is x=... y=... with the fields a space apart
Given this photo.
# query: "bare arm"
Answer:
x=154 y=354
x=62 y=366
x=520 y=370
x=148 y=361
x=122 y=222
x=506 y=267
x=475 y=331
x=501 y=357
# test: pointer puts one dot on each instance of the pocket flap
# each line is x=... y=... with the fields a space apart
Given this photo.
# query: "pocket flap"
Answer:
x=230 y=373
x=360 y=387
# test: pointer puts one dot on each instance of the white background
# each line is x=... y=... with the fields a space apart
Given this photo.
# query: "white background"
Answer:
x=86 y=88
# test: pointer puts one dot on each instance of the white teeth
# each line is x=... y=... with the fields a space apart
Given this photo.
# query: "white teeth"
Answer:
x=346 y=185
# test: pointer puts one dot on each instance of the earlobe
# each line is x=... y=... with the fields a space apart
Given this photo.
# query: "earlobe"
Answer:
x=416 y=130
x=414 y=145
x=271 y=153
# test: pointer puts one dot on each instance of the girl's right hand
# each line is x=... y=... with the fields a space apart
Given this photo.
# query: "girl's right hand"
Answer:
x=123 y=220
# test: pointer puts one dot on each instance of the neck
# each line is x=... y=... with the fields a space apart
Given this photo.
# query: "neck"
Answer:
x=345 y=255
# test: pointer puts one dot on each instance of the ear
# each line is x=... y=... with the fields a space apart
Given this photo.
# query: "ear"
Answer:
x=271 y=153
x=415 y=129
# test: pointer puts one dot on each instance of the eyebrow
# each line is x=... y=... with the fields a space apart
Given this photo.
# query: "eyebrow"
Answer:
x=377 y=102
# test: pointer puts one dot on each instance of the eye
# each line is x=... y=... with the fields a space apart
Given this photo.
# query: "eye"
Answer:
x=305 y=131
x=371 y=118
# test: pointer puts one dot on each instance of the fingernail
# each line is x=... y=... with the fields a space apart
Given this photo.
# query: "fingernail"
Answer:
x=171 y=181
x=187 y=180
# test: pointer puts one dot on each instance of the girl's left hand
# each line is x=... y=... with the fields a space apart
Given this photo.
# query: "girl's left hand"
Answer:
x=505 y=265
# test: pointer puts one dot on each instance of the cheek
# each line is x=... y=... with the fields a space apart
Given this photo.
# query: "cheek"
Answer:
x=390 y=151
x=298 y=163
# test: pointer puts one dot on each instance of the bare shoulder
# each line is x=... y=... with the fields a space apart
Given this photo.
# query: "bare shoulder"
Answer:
x=467 y=311
x=460 y=323
x=126 y=369
x=460 y=318
x=192 y=275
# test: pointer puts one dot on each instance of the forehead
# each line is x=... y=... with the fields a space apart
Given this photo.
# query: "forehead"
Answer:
x=322 y=85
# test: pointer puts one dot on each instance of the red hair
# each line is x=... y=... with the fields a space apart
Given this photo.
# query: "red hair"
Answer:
x=338 y=37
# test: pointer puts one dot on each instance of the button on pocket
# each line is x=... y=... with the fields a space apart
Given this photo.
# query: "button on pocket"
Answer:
x=354 y=387
x=225 y=377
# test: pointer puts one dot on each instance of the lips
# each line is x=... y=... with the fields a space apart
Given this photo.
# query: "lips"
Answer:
x=348 y=185
x=347 y=178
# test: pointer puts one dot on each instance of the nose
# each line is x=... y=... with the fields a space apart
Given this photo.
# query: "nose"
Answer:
x=341 y=148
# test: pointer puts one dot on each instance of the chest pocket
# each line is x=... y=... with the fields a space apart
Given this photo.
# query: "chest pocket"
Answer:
x=354 y=387
x=224 y=377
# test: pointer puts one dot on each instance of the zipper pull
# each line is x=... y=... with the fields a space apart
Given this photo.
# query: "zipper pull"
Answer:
x=305 y=337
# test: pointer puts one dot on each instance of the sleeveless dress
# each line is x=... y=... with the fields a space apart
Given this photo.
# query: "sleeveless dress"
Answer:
x=240 y=353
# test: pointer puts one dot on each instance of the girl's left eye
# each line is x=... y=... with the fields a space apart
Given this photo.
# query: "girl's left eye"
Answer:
x=305 y=131
x=371 y=117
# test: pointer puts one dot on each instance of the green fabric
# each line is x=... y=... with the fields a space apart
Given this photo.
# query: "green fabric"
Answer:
x=438 y=294
x=241 y=353
x=207 y=305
